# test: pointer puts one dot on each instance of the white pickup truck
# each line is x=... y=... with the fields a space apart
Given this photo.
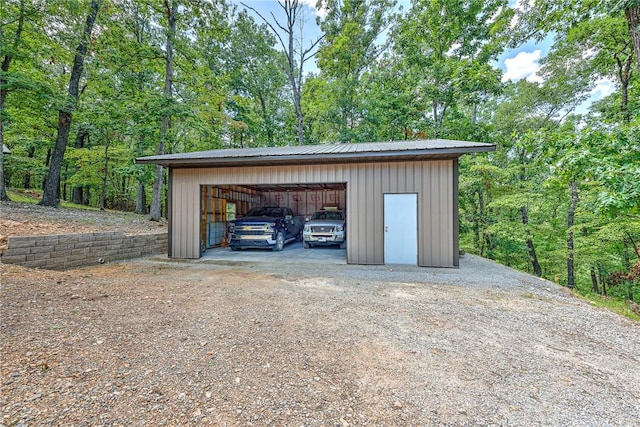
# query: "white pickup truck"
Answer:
x=326 y=227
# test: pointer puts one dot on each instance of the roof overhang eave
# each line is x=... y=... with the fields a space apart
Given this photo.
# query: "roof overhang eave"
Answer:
x=406 y=155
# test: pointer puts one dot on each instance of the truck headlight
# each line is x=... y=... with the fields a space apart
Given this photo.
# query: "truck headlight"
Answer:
x=339 y=227
x=306 y=229
x=231 y=228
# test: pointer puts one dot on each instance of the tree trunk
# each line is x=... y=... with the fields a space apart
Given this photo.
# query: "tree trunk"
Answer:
x=297 y=102
x=594 y=281
x=27 y=175
x=76 y=194
x=624 y=88
x=434 y=109
x=87 y=196
x=6 y=62
x=533 y=257
x=267 y=120
x=571 y=281
x=479 y=223
x=50 y=196
x=292 y=10
x=3 y=190
x=141 y=198
x=603 y=280
x=64 y=183
x=624 y=77
x=296 y=88
x=103 y=190
x=165 y=122
x=626 y=261
x=633 y=21
x=634 y=246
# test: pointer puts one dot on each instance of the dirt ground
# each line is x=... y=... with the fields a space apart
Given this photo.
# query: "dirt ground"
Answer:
x=154 y=342
x=161 y=343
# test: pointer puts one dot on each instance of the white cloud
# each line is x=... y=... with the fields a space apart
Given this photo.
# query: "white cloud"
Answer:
x=519 y=6
x=312 y=4
x=453 y=49
x=602 y=89
x=523 y=66
x=522 y=4
x=589 y=53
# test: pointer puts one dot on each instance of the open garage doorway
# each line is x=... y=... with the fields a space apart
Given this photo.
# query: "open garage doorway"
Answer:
x=221 y=204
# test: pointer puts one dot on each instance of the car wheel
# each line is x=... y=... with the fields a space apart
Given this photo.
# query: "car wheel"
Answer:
x=306 y=245
x=234 y=248
x=279 y=242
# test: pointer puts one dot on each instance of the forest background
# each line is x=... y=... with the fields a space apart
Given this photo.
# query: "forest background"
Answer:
x=88 y=86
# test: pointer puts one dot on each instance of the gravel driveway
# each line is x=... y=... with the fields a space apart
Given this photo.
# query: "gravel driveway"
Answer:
x=153 y=342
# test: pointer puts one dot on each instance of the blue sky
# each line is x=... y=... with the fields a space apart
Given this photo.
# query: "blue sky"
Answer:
x=524 y=63
x=516 y=64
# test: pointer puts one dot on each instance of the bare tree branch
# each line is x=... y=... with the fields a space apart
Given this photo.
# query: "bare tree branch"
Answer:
x=291 y=9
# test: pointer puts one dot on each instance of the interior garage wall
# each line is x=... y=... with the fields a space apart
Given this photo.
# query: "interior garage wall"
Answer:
x=304 y=203
x=433 y=181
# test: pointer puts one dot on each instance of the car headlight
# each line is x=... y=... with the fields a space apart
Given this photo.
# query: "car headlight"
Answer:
x=340 y=228
x=306 y=228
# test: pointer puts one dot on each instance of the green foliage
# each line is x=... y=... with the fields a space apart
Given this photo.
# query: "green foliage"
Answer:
x=449 y=45
x=33 y=197
x=383 y=74
x=616 y=305
x=347 y=56
x=257 y=104
x=22 y=197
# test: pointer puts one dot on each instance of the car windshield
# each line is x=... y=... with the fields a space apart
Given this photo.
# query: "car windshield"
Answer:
x=328 y=215
x=265 y=212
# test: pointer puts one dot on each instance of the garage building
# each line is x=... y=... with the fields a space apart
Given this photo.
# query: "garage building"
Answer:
x=400 y=198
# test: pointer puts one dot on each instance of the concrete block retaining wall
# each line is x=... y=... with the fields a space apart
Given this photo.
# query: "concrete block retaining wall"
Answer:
x=58 y=252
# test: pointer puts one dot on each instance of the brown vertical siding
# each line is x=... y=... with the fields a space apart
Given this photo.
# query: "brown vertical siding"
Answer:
x=170 y=214
x=456 y=215
x=433 y=181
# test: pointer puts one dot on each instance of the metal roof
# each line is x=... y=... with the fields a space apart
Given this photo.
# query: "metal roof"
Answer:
x=325 y=153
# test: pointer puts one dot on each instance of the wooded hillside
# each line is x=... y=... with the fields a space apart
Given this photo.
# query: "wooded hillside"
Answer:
x=88 y=86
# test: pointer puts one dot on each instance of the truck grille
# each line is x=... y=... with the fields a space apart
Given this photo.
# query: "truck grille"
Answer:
x=251 y=232
x=321 y=229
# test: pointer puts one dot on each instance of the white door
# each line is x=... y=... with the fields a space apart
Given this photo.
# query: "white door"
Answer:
x=401 y=229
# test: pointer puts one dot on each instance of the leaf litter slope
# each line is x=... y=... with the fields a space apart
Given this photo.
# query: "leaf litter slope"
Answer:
x=25 y=219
